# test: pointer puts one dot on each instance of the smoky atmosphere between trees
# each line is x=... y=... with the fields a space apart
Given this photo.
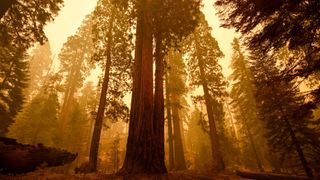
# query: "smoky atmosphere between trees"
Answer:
x=160 y=89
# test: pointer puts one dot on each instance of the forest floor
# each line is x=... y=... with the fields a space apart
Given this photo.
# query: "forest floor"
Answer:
x=183 y=175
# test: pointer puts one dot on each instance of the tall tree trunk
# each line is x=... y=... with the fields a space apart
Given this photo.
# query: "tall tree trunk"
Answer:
x=180 y=162
x=294 y=139
x=158 y=111
x=170 y=136
x=246 y=126
x=94 y=148
x=233 y=126
x=218 y=163
x=297 y=145
x=5 y=5
x=141 y=154
x=69 y=98
x=64 y=104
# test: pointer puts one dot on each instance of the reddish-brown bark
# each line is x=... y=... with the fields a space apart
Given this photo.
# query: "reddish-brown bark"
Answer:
x=158 y=109
x=141 y=154
x=180 y=162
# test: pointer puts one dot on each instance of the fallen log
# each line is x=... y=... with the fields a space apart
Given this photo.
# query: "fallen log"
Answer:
x=16 y=158
x=269 y=176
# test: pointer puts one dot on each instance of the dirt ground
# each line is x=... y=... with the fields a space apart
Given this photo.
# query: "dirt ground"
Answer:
x=184 y=175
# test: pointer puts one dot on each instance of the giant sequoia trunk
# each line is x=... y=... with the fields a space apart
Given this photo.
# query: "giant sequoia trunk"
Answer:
x=170 y=136
x=94 y=148
x=142 y=154
x=180 y=162
x=218 y=163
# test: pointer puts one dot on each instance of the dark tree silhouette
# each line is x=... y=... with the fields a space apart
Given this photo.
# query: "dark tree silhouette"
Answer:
x=286 y=114
x=269 y=25
x=112 y=50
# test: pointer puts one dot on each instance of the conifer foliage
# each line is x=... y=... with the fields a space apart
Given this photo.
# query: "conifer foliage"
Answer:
x=243 y=102
x=176 y=90
x=204 y=71
x=21 y=25
x=14 y=78
x=286 y=114
x=112 y=42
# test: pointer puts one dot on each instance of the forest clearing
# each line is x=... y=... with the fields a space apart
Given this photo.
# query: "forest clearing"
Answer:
x=160 y=89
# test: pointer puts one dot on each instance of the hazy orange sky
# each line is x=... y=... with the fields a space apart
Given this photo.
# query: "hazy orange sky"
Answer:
x=74 y=11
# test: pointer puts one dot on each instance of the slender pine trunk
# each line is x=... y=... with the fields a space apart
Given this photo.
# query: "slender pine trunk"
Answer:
x=252 y=143
x=294 y=139
x=298 y=148
x=170 y=134
x=233 y=126
x=180 y=162
x=94 y=148
x=218 y=163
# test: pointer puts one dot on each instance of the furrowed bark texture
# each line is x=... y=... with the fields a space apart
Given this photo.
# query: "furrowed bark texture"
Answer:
x=158 y=111
x=141 y=154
